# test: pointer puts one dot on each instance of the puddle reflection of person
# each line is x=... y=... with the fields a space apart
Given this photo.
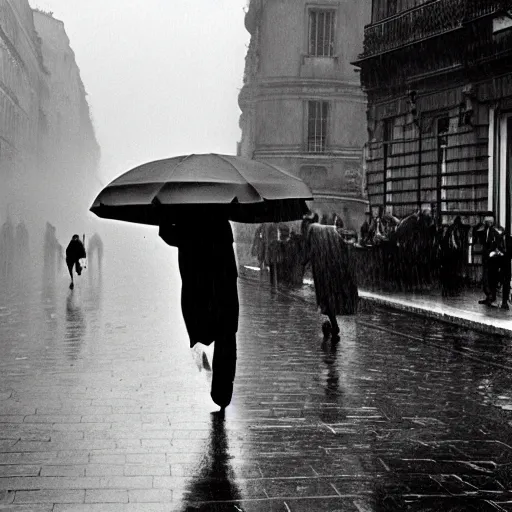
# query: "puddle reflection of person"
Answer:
x=216 y=479
x=75 y=326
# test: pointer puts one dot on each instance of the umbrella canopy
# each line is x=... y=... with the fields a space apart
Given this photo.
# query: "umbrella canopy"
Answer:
x=244 y=190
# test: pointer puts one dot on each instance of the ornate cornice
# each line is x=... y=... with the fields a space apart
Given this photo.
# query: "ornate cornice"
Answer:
x=299 y=88
x=284 y=151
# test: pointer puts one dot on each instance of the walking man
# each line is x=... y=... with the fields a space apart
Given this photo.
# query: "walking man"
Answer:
x=209 y=295
x=492 y=240
x=75 y=251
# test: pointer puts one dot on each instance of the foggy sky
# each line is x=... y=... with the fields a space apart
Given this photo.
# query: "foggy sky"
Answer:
x=162 y=75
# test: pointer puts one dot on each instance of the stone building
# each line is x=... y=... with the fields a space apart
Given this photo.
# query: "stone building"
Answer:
x=438 y=76
x=48 y=151
x=302 y=106
x=70 y=158
x=22 y=86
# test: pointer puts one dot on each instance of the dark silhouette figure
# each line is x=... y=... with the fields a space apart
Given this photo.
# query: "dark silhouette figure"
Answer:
x=492 y=239
x=52 y=252
x=75 y=251
x=209 y=295
x=258 y=246
x=95 y=246
x=333 y=275
x=453 y=245
x=215 y=480
x=6 y=249
x=21 y=250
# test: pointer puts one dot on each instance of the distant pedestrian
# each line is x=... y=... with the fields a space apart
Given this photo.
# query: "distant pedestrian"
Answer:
x=6 y=249
x=258 y=246
x=335 y=283
x=75 y=251
x=452 y=258
x=52 y=252
x=209 y=295
x=491 y=237
x=96 y=246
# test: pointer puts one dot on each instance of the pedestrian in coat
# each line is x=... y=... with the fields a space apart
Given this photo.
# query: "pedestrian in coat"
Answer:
x=452 y=258
x=491 y=237
x=75 y=251
x=209 y=295
x=333 y=276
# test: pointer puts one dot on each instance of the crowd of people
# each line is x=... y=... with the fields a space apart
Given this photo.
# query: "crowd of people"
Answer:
x=410 y=254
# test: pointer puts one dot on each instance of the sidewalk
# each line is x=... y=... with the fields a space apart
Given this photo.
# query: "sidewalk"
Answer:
x=464 y=310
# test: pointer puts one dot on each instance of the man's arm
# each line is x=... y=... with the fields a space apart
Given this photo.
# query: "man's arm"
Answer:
x=169 y=234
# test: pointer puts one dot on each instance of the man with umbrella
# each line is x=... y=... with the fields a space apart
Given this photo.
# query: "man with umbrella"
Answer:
x=209 y=295
x=177 y=194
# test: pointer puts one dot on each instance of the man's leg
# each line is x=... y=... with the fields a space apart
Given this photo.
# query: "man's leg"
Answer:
x=486 y=284
x=494 y=275
x=224 y=369
x=335 y=328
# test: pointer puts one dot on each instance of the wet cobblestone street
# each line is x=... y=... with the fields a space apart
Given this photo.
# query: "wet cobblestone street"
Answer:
x=102 y=407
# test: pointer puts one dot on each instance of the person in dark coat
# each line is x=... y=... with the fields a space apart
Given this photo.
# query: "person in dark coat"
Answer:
x=491 y=237
x=75 y=251
x=209 y=295
x=452 y=258
x=335 y=283
x=258 y=246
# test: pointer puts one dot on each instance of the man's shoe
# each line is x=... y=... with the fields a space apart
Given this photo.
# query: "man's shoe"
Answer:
x=222 y=394
x=487 y=302
x=505 y=306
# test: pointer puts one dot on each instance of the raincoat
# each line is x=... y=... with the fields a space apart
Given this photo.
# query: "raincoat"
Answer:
x=209 y=295
x=334 y=278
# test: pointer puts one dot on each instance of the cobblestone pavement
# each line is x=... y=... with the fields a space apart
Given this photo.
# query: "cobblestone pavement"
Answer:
x=102 y=407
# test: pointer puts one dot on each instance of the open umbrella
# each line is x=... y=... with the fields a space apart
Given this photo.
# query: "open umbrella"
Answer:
x=245 y=190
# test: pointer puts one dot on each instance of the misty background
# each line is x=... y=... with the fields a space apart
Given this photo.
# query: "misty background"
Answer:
x=162 y=79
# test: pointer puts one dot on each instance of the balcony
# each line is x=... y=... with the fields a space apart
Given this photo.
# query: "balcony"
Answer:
x=424 y=22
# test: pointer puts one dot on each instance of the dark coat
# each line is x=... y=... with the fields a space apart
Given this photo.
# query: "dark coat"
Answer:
x=75 y=250
x=335 y=282
x=492 y=239
x=209 y=295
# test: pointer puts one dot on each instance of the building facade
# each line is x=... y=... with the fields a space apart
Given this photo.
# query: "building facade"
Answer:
x=438 y=77
x=48 y=151
x=22 y=87
x=70 y=156
x=302 y=106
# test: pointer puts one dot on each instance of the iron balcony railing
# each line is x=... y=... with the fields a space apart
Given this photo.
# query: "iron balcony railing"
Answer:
x=423 y=22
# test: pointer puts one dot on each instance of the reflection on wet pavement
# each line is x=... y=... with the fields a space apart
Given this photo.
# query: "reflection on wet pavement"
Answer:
x=102 y=407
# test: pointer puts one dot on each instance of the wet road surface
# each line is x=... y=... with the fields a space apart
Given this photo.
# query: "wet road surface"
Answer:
x=103 y=408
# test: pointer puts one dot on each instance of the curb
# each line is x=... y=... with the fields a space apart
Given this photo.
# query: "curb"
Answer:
x=400 y=305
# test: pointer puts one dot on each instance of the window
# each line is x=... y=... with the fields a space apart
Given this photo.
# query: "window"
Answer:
x=317 y=126
x=321 y=33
